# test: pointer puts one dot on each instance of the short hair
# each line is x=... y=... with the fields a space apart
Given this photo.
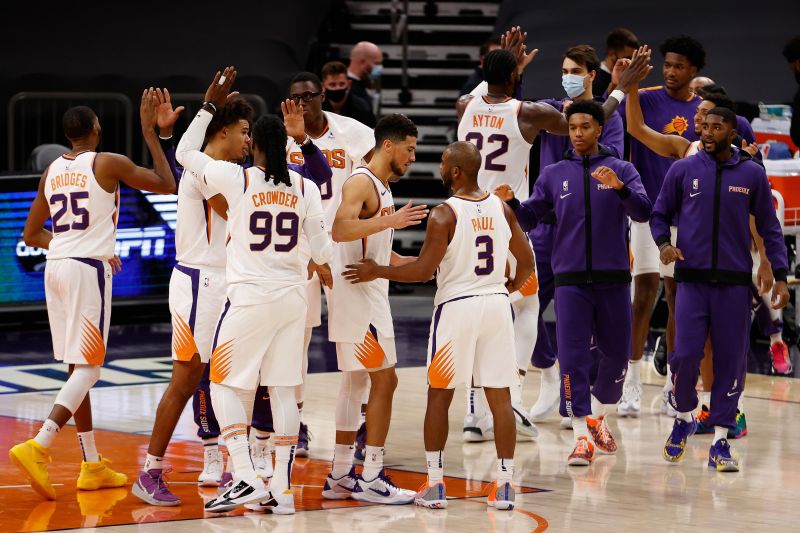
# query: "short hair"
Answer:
x=493 y=39
x=711 y=88
x=584 y=55
x=590 y=107
x=728 y=116
x=466 y=156
x=332 y=68
x=307 y=76
x=498 y=66
x=232 y=112
x=78 y=122
x=688 y=47
x=791 y=51
x=269 y=135
x=395 y=127
x=620 y=38
x=720 y=100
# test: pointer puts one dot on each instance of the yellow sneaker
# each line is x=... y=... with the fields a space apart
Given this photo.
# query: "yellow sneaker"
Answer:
x=32 y=458
x=99 y=476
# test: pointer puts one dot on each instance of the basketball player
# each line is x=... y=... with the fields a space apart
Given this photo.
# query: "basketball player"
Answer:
x=80 y=193
x=347 y=144
x=592 y=193
x=360 y=320
x=259 y=336
x=723 y=185
x=667 y=109
x=467 y=242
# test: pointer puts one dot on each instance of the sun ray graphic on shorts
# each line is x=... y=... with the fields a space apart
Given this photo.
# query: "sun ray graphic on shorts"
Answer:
x=183 y=343
x=369 y=353
x=92 y=347
x=221 y=362
x=441 y=371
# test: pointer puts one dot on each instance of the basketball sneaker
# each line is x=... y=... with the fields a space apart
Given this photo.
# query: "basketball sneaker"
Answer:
x=276 y=503
x=601 y=435
x=501 y=496
x=547 y=402
x=631 y=402
x=98 y=504
x=211 y=476
x=239 y=493
x=720 y=458
x=32 y=458
x=340 y=488
x=98 y=475
x=566 y=422
x=262 y=460
x=524 y=425
x=151 y=487
x=381 y=490
x=302 y=441
x=703 y=427
x=741 y=427
x=361 y=443
x=432 y=496
x=666 y=407
x=478 y=429
x=582 y=454
x=781 y=360
x=675 y=446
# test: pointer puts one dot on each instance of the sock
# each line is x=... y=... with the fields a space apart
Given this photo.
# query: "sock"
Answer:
x=472 y=398
x=740 y=405
x=238 y=446
x=300 y=412
x=705 y=399
x=435 y=462
x=720 y=433
x=47 y=433
x=634 y=372
x=262 y=437
x=516 y=391
x=505 y=470
x=668 y=383
x=686 y=417
x=598 y=409
x=342 y=460
x=211 y=444
x=284 y=457
x=373 y=462
x=86 y=440
x=153 y=463
x=775 y=337
x=550 y=374
x=579 y=427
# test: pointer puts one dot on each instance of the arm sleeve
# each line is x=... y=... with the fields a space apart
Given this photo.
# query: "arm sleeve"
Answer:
x=530 y=211
x=315 y=167
x=769 y=228
x=314 y=226
x=634 y=197
x=188 y=153
x=667 y=204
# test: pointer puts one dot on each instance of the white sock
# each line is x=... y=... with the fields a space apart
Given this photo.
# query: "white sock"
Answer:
x=720 y=433
x=153 y=463
x=435 y=462
x=598 y=408
x=473 y=397
x=668 y=383
x=516 y=391
x=262 y=437
x=211 y=444
x=239 y=453
x=47 y=433
x=284 y=456
x=300 y=412
x=550 y=374
x=686 y=417
x=776 y=337
x=373 y=462
x=342 y=460
x=740 y=405
x=579 y=427
x=86 y=440
x=634 y=372
x=705 y=399
x=505 y=470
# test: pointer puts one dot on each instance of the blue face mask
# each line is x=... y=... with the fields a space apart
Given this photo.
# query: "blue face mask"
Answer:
x=376 y=71
x=573 y=84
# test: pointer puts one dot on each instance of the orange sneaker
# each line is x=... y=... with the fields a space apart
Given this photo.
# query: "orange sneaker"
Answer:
x=582 y=454
x=432 y=496
x=601 y=435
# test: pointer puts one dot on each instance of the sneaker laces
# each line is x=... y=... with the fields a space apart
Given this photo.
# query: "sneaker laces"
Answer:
x=581 y=447
x=602 y=430
x=161 y=481
x=383 y=476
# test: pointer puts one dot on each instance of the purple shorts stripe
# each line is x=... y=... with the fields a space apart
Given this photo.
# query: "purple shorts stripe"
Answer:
x=219 y=324
x=195 y=275
x=101 y=283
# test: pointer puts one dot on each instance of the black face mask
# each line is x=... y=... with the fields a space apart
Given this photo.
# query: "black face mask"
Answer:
x=335 y=95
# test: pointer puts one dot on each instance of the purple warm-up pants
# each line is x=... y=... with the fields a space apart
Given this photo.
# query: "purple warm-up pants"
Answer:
x=544 y=355
x=602 y=310
x=725 y=311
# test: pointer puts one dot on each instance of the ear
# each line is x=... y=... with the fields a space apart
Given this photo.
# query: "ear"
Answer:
x=592 y=75
x=387 y=145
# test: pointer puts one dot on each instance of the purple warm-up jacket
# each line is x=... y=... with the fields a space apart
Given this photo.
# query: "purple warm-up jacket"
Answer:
x=712 y=201
x=591 y=238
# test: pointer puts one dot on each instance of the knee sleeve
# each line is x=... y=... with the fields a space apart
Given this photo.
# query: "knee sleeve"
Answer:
x=229 y=407
x=78 y=384
x=285 y=416
x=351 y=395
x=526 y=327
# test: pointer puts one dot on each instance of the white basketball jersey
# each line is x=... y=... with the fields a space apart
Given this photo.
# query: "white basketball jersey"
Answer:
x=200 y=231
x=84 y=215
x=357 y=306
x=475 y=261
x=494 y=130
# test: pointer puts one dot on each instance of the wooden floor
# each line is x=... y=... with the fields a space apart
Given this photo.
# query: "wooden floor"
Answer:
x=636 y=490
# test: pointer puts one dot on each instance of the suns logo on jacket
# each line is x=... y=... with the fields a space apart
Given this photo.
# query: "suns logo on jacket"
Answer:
x=677 y=125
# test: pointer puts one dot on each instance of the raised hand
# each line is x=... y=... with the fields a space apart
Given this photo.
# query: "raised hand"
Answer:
x=621 y=64
x=514 y=41
x=637 y=70
x=408 y=215
x=166 y=116
x=670 y=253
x=148 y=109
x=218 y=93
x=504 y=192
x=751 y=148
x=361 y=272
x=293 y=120
x=608 y=177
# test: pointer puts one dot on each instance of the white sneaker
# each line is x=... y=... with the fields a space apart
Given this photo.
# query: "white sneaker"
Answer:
x=547 y=402
x=566 y=422
x=524 y=425
x=212 y=469
x=666 y=407
x=340 y=488
x=262 y=460
x=478 y=429
x=275 y=503
x=239 y=493
x=631 y=402
x=382 y=490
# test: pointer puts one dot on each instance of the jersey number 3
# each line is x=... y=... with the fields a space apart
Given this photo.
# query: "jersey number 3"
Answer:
x=286 y=225
x=485 y=246
x=489 y=164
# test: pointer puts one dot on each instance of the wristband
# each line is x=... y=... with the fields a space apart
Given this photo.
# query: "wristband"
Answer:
x=617 y=95
x=212 y=106
x=306 y=141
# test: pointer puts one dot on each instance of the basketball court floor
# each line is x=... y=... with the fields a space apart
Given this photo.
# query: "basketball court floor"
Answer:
x=634 y=490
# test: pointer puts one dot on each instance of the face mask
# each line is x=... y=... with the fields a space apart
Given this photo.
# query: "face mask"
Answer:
x=376 y=71
x=573 y=85
x=335 y=95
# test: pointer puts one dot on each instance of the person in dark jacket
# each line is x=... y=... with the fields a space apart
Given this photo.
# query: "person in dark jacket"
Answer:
x=339 y=97
x=710 y=197
x=592 y=194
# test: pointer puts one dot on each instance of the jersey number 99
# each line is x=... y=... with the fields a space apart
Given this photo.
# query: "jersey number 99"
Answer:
x=286 y=225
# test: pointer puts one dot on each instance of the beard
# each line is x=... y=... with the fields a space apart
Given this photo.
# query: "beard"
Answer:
x=719 y=147
x=396 y=169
